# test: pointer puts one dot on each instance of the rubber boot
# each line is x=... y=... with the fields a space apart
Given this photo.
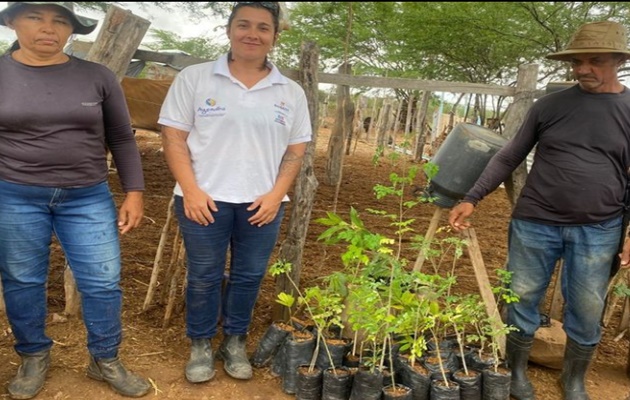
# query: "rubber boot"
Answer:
x=200 y=367
x=121 y=380
x=235 y=360
x=517 y=351
x=31 y=375
x=577 y=359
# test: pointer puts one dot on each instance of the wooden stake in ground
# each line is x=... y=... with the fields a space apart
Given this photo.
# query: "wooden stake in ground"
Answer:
x=433 y=225
x=179 y=266
x=484 y=284
x=480 y=272
x=157 y=262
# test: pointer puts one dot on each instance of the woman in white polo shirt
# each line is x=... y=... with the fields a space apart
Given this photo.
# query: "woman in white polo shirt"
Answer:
x=234 y=133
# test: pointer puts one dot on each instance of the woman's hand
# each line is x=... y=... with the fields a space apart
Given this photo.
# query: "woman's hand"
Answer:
x=131 y=212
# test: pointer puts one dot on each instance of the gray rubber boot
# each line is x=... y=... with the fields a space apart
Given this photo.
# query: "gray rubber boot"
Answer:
x=235 y=360
x=121 y=380
x=31 y=375
x=577 y=359
x=200 y=367
x=517 y=351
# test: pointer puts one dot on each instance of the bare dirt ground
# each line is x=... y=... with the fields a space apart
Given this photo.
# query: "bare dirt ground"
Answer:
x=160 y=352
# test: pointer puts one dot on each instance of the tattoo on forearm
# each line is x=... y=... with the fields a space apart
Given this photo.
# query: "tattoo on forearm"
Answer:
x=291 y=163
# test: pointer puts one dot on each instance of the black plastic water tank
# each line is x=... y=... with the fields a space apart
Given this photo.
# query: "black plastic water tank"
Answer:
x=557 y=86
x=461 y=159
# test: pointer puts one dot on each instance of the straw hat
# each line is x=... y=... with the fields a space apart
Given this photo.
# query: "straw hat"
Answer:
x=82 y=25
x=596 y=37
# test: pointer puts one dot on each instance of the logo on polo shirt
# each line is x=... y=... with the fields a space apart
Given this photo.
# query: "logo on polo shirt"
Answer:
x=281 y=113
x=212 y=110
x=282 y=106
x=280 y=119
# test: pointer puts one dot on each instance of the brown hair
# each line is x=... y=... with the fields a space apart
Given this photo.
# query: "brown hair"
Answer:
x=272 y=7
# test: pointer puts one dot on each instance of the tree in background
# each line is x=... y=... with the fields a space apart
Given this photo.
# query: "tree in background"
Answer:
x=477 y=42
x=199 y=47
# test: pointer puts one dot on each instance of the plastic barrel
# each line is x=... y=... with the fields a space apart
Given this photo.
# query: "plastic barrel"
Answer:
x=461 y=159
x=557 y=86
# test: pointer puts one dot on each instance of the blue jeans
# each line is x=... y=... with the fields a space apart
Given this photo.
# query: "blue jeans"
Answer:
x=206 y=256
x=85 y=223
x=587 y=252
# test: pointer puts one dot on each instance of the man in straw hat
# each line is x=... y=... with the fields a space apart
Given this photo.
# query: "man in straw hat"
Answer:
x=58 y=116
x=571 y=206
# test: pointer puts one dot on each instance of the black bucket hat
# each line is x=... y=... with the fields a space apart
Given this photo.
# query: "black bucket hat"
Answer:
x=81 y=25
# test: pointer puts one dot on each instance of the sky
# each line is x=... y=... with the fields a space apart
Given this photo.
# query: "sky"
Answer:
x=179 y=23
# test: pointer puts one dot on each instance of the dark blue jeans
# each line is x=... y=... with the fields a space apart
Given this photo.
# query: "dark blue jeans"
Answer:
x=587 y=252
x=250 y=248
x=85 y=223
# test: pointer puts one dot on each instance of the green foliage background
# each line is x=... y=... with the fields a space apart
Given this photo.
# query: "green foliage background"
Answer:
x=479 y=42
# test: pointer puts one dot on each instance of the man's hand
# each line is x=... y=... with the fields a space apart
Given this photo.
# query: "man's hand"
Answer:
x=458 y=216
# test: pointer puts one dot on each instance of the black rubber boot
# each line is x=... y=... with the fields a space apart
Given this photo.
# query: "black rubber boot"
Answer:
x=235 y=360
x=200 y=367
x=517 y=351
x=577 y=359
x=121 y=380
x=31 y=375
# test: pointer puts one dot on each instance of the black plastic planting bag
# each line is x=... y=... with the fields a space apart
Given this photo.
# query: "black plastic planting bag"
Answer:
x=439 y=390
x=309 y=383
x=496 y=384
x=418 y=378
x=269 y=345
x=296 y=352
x=469 y=385
x=397 y=392
x=337 y=349
x=337 y=384
x=367 y=384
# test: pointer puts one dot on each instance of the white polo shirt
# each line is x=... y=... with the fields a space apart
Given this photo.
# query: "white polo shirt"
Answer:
x=237 y=136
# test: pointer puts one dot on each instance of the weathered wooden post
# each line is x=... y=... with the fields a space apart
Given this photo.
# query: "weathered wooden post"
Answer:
x=343 y=125
x=372 y=119
x=359 y=126
x=383 y=123
x=523 y=100
x=394 y=135
x=118 y=38
x=306 y=184
x=421 y=117
x=409 y=115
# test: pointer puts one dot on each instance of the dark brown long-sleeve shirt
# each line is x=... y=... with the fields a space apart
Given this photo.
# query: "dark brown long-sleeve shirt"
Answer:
x=582 y=153
x=57 y=122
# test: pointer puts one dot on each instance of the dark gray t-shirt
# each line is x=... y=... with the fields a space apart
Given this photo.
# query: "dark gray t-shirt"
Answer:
x=57 y=122
x=582 y=153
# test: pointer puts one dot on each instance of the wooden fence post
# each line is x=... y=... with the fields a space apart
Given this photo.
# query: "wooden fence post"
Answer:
x=421 y=117
x=337 y=142
x=306 y=184
x=118 y=39
x=523 y=100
